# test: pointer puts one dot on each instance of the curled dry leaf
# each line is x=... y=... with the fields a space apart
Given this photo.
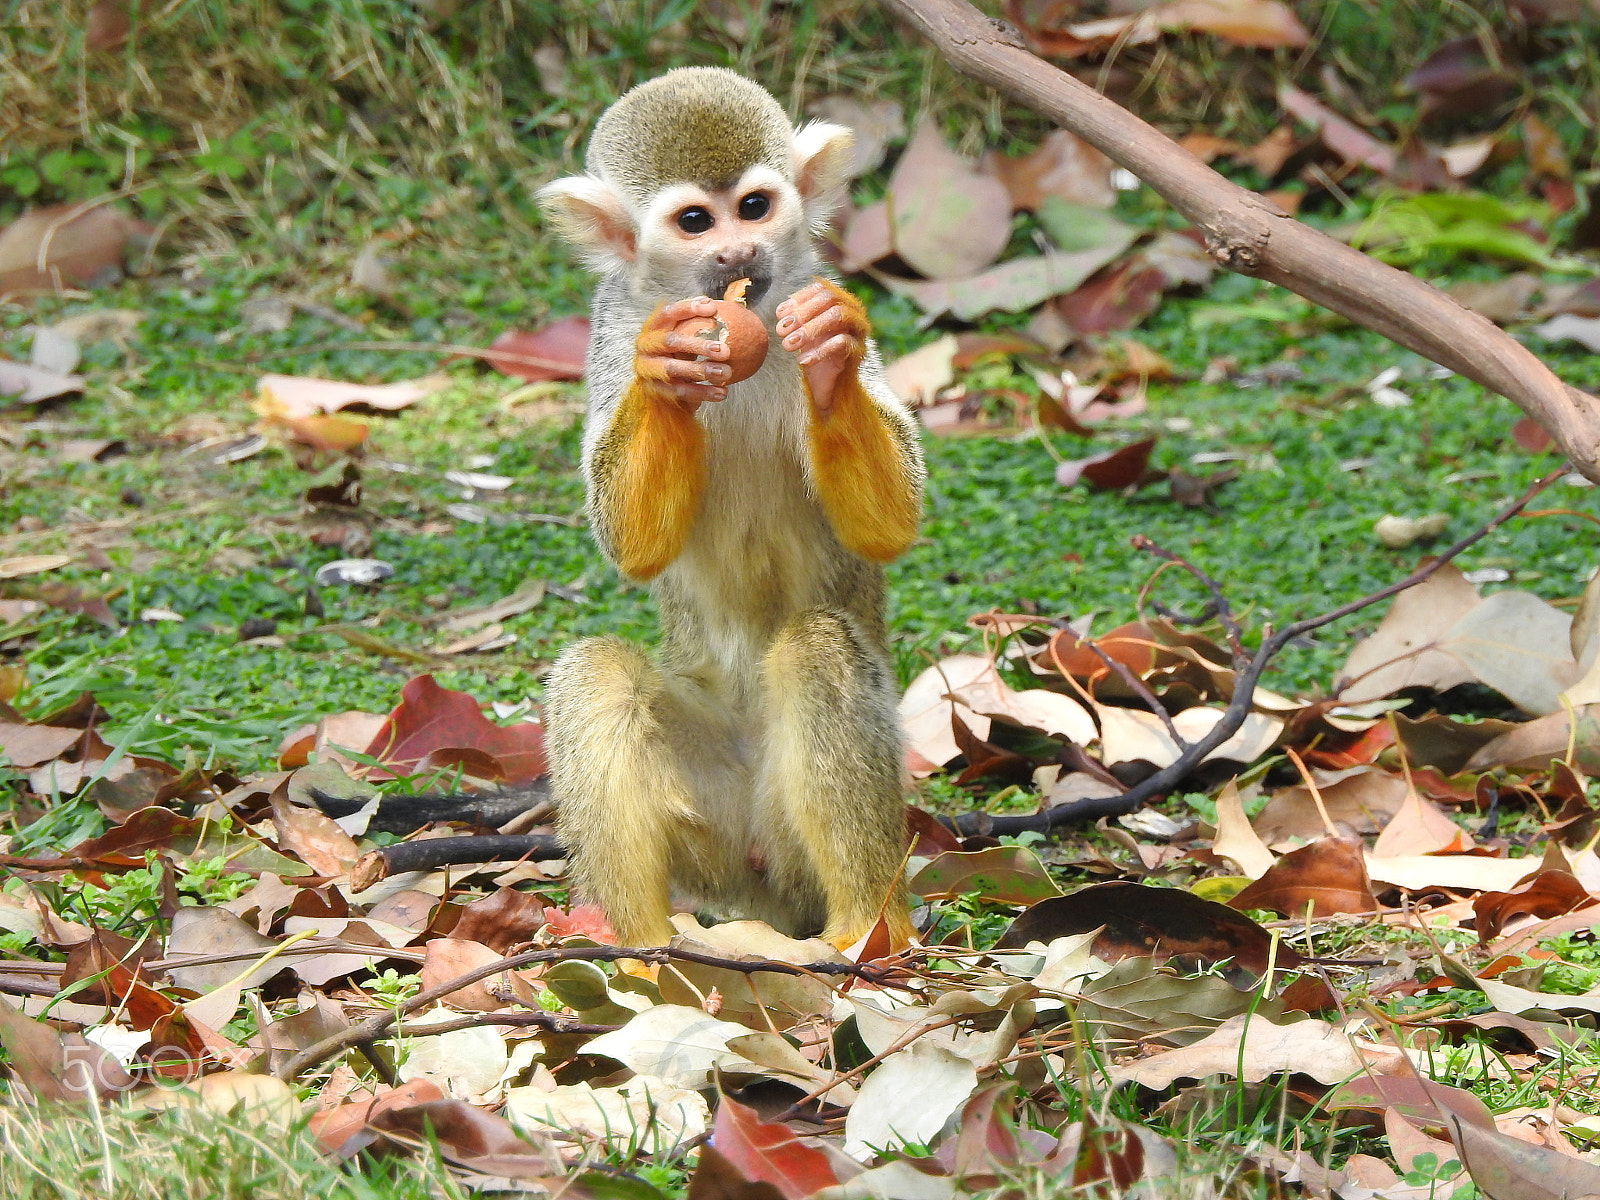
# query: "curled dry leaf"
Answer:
x=1326 y=878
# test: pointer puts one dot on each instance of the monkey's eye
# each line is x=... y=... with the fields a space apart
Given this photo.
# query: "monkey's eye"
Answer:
x=755 y=206
x=694 y=220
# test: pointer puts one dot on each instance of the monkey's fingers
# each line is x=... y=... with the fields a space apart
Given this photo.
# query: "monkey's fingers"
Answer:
x=670 y=341
x=826 y=334
x=816 y=299
x=675 y=312
x=664 y=368
x=840 y=348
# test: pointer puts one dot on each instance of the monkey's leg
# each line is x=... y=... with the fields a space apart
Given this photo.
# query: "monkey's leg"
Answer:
x=831 y=775
x=624 y=807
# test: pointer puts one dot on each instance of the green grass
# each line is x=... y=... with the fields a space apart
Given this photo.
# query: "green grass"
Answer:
x=225 y=544
x=67 y=1153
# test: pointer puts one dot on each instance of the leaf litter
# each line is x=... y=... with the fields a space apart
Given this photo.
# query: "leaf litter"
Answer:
x=785 y=1067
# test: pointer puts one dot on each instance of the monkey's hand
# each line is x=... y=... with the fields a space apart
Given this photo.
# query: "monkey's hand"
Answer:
x=687 y=368
x=824 y=327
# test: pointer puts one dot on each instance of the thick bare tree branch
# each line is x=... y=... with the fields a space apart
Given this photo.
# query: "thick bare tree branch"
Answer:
x=1252 y=236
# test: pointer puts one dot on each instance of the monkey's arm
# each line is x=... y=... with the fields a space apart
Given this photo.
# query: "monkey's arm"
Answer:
x=647 y=465
x=865 y=459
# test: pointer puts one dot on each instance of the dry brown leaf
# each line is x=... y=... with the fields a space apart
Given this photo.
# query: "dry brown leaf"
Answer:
x=1325 y=878
x=289 y=397
x=1251 y=1048
x=948 y=221
x=1419 y=827
x=68 y=245
x=1235 y=839
x=1402 y=652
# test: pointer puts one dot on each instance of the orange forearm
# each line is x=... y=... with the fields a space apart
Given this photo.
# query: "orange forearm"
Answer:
x=862 y=476
x=648 y=472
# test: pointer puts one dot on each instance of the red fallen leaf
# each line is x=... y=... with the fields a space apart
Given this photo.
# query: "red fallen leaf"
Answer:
x=1530 y=436
x=582 y=920
x=148 y=829
x=335 y=1127
x=1133 y=645
x=106 y=971
x=715 y=1178
x=929 y=836
x=1118 y=297
x=1419 y=1098
x=1338 y=749
x=770 y=1153
x=1344 y=138
x=504 y=919
x=431 y=718
x=74 y=245
x=1547 y=894
x=553 y=352
x=1111 y=470
x=988 y=1143
x=1329 y=875
x=1458 y=79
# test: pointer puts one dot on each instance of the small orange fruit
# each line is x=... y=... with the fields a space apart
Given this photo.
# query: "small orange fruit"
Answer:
x=736 y=325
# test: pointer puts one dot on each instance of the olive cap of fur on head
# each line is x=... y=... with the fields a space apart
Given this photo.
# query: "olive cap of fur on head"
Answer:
x=713 y=118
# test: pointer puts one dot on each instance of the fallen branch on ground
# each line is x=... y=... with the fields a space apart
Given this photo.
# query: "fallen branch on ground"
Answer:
x=1246 y=675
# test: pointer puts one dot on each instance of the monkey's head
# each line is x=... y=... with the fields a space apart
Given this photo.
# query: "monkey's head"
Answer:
x=696 y=179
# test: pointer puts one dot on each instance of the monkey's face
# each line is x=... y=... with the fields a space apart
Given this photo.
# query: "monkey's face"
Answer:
x=696 y=241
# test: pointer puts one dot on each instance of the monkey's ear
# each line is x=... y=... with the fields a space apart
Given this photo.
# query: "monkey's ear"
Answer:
x=590 y=215
x=822 y=157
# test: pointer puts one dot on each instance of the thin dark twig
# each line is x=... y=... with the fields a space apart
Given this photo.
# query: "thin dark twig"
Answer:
x=1219 y=603
x=1139 y=689
x=377 y=1026
x=1243 y=693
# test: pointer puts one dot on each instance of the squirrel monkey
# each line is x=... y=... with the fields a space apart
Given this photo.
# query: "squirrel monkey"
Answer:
x=755 y=765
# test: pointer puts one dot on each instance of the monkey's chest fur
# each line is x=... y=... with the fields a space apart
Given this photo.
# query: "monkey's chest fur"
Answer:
x=760 y=568
x=761 y=551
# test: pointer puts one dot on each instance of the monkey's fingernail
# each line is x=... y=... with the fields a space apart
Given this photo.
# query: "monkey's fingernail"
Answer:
x=718 y=372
